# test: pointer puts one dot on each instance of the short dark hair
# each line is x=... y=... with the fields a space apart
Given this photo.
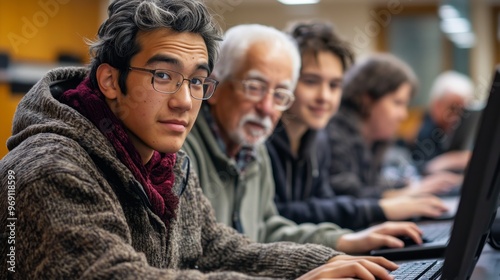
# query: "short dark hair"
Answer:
x=313 y=37
x=116 y=40
x=375 y=77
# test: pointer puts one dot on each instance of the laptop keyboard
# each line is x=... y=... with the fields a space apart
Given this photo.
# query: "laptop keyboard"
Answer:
x=436 y=232
x=429 y=270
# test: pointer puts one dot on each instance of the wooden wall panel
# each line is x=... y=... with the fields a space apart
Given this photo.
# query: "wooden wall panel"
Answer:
x=36 y=31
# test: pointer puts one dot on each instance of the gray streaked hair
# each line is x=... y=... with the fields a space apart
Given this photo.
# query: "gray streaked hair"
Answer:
x=116 y=40
x=237 y=41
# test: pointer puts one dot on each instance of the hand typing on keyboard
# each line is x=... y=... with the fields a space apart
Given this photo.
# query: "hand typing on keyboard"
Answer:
x=408 y=241
x=406 y=207
x=378 y=236
x=344 y=266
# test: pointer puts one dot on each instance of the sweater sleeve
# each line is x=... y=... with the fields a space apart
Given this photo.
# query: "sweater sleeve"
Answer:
x=225 y=249
x=67 y=226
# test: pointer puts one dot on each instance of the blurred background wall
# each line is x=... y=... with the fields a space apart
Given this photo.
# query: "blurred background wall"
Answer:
x=38 y=35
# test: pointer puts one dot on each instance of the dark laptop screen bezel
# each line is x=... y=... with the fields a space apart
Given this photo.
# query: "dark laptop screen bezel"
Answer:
x=479 y=194
x=463 y=136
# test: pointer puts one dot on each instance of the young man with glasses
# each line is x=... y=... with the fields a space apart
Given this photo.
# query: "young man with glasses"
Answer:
x=98 y=187
x=258 y=70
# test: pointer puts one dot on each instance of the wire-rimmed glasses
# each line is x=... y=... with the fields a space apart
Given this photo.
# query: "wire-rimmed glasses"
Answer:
x=168 y=81
x=256 y=90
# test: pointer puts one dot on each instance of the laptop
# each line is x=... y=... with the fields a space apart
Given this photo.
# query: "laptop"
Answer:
x=435 y=237
x=463 y=135
x=477 y=208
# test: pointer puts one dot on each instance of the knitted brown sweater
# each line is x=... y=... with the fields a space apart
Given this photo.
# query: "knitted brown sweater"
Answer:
x=79 y=212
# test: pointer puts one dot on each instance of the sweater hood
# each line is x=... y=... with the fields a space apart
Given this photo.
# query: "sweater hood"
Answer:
x=40 y=111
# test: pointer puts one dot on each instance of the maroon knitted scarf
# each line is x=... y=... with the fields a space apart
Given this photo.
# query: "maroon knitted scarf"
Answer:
x=157 y=176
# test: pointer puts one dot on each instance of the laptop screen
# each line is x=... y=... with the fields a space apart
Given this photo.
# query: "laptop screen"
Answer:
x=463 y=135
x=479 y=194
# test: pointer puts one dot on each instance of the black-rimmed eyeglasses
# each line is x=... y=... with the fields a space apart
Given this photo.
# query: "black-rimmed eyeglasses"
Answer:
x=168 y=81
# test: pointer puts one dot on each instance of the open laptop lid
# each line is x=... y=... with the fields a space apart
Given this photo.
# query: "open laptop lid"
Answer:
x=479 y=195
x=463 y=136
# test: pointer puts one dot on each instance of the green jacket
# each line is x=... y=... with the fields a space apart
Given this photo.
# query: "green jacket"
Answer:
x=81 y=214
x=248 y=197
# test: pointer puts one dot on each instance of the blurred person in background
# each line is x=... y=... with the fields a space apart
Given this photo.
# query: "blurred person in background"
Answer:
x=376 y=93
x=450 y=94
x=299 y=151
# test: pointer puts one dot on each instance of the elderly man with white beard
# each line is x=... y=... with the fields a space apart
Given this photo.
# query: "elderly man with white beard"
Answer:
x=258 y=69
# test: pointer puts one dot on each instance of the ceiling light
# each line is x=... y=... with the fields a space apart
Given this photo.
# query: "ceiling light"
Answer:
x=298 y=2
x=448 y=11
x=463 y=40
x=455 y=25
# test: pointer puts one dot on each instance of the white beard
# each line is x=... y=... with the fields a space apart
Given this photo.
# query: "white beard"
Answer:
x=255 y=136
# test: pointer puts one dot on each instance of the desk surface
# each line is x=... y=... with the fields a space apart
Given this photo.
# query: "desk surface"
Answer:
x=488 y=265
